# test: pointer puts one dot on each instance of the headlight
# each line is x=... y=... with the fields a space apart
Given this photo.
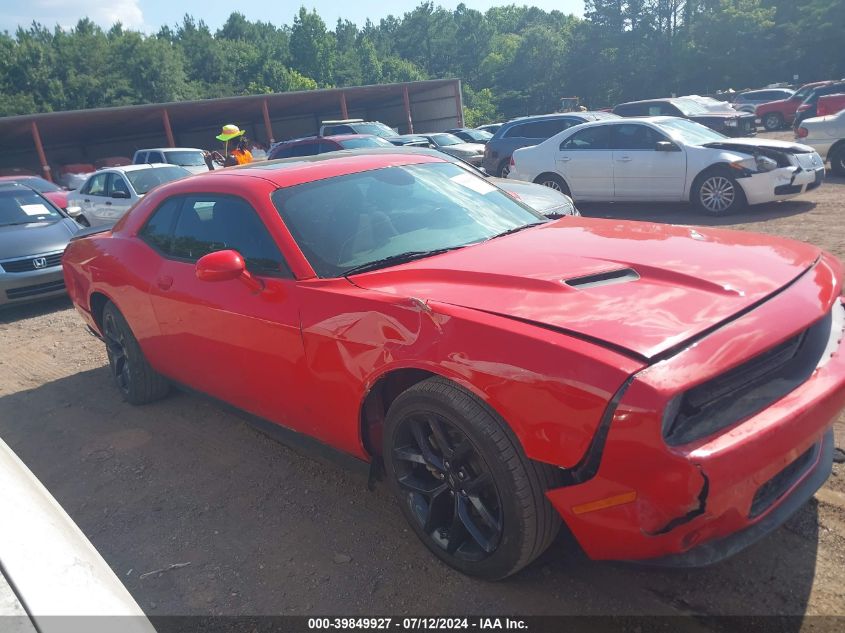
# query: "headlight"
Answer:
x=759 y=164
x=764 y=163
x=567 y=208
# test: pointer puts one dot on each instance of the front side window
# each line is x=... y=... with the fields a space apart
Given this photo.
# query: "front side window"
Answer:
x=214 y=223
x=118 y=184
x=356 y=220
x=97 y=186
x=158 y=231
x=155 y=157
x=516 y=131
x=631 y=136
x=591 y=138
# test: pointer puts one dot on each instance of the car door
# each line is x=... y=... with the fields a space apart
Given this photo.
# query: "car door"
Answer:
x=94 y=200
x=111 y=209
x=585 y=161
x=640 y=172
x=224 y=338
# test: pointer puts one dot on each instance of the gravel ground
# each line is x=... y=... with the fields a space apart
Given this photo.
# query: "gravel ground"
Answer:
x=268 y=530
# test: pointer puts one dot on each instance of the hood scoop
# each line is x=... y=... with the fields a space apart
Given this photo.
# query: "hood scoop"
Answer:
x=621 y=276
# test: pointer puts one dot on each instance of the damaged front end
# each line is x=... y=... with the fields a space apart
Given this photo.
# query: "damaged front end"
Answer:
x=706 y=451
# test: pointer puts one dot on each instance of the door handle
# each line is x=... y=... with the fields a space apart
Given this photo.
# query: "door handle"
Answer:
x=564 y=159
x=87 y=200
x=164 y=282
x=624 y=159
x=108 y=203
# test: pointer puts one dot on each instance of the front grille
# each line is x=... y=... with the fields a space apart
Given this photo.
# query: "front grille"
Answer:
x=777 y=486
x=748 y=388
x=27 y=264
x=32 y=291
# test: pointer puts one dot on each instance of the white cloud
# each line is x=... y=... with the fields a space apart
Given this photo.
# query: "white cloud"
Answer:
x=67 y=13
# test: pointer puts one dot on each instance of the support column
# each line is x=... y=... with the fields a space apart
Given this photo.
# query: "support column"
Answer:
x=39 y=148
x=165 y=119
x=459 y=103
x=268 y=128
x=344 y=113
x=407 y=101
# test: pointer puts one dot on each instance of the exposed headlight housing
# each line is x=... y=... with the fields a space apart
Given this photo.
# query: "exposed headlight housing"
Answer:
x=759 y=164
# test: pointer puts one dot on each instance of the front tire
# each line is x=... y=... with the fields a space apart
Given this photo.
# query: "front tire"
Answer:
x=553 y=181
x=463 y=483
x=136 y=380
x=772 y=121
x=837 y=160
x=716 y=192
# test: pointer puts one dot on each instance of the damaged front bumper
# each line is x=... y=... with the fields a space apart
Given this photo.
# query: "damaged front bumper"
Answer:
x=697 y=503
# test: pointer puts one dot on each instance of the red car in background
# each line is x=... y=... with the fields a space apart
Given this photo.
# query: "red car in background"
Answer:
x=830 y=104
x=776 y=115
x=666 y=391
x=52 y=192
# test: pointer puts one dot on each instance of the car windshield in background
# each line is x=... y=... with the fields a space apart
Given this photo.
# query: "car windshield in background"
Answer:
x=23 y=206
x=372 y=141
x=478 y=135
x=40 y=185
x=803 y=93
x=443 y=140
x=689 y=107
x=348 y=222
x=185 y=159
x=377 y=129
x=690 y=132
x=145 y=179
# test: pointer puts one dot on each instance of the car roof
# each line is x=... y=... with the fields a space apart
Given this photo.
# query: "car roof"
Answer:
x=128 y=168
x=170 y=149
x=287 y=172
x=588 y=115
x=316 y=137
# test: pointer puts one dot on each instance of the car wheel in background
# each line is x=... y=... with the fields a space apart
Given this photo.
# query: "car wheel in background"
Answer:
x=772 y=121
x=137 y=381
x=504 y=168
x=716 y=192
x=463 y=483
x=837 y=160
x=553 y=181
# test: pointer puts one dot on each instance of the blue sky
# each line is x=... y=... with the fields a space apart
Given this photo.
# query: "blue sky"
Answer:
x=149 y=15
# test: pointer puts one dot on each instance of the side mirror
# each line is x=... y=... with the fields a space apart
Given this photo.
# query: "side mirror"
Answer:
x=226 y=265
x=123 y=195
x=666 y=146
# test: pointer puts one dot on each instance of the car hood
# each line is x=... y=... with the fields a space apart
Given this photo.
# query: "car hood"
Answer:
x=638 y=287
x=751 y=143
x=721 y=115
x=35 y=238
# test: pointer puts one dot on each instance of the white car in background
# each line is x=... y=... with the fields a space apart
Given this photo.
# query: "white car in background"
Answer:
x=191 y=158
x=52 y=580
x=826 y=135
x=668 y=159
x=109 y=193
x=711 y=104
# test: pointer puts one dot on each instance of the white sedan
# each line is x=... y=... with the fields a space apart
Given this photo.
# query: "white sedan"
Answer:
x=667 y=159
x=109 y=193
x=826 y=135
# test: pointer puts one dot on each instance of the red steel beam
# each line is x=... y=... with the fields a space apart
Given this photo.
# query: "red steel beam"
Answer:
x=165 y=119
x=268 y=128
x=36 y=137
x=407 y=101
x=344 y=113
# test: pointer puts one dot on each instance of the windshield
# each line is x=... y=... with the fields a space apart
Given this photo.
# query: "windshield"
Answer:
x=24 y=206
x=689 y=107
x=478 y=135
x=185 y=159
x=349 y=221
x=377 y=129
x=40 y=185
x=145 y=179
x=369 y=141
x=689 y=132
x=443 y=140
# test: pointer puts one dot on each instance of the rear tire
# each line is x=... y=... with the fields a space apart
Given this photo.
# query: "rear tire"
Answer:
x=136 y=380
x=464 y=484
x=553 y=181
x=504 y=168
x=716 y=192
x=837 y=160
x=772 y=121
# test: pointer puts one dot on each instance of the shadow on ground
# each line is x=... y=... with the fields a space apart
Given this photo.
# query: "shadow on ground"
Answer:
x=262 y=526
x=11 y=313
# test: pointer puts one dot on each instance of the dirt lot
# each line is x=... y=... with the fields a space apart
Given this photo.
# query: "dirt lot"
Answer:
x=268 y=530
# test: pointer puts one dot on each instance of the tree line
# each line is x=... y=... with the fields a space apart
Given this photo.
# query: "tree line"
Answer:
x=513 y=60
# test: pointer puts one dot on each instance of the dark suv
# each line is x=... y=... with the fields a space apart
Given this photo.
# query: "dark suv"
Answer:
x=728 y=123
x=527 y=131
x=809 y=108
x=313 y=145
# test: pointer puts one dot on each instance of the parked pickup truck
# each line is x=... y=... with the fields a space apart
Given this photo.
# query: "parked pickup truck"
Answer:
x=775 y=115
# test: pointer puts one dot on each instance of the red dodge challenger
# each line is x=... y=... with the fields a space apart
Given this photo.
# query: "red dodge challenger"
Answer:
x=667 y=392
